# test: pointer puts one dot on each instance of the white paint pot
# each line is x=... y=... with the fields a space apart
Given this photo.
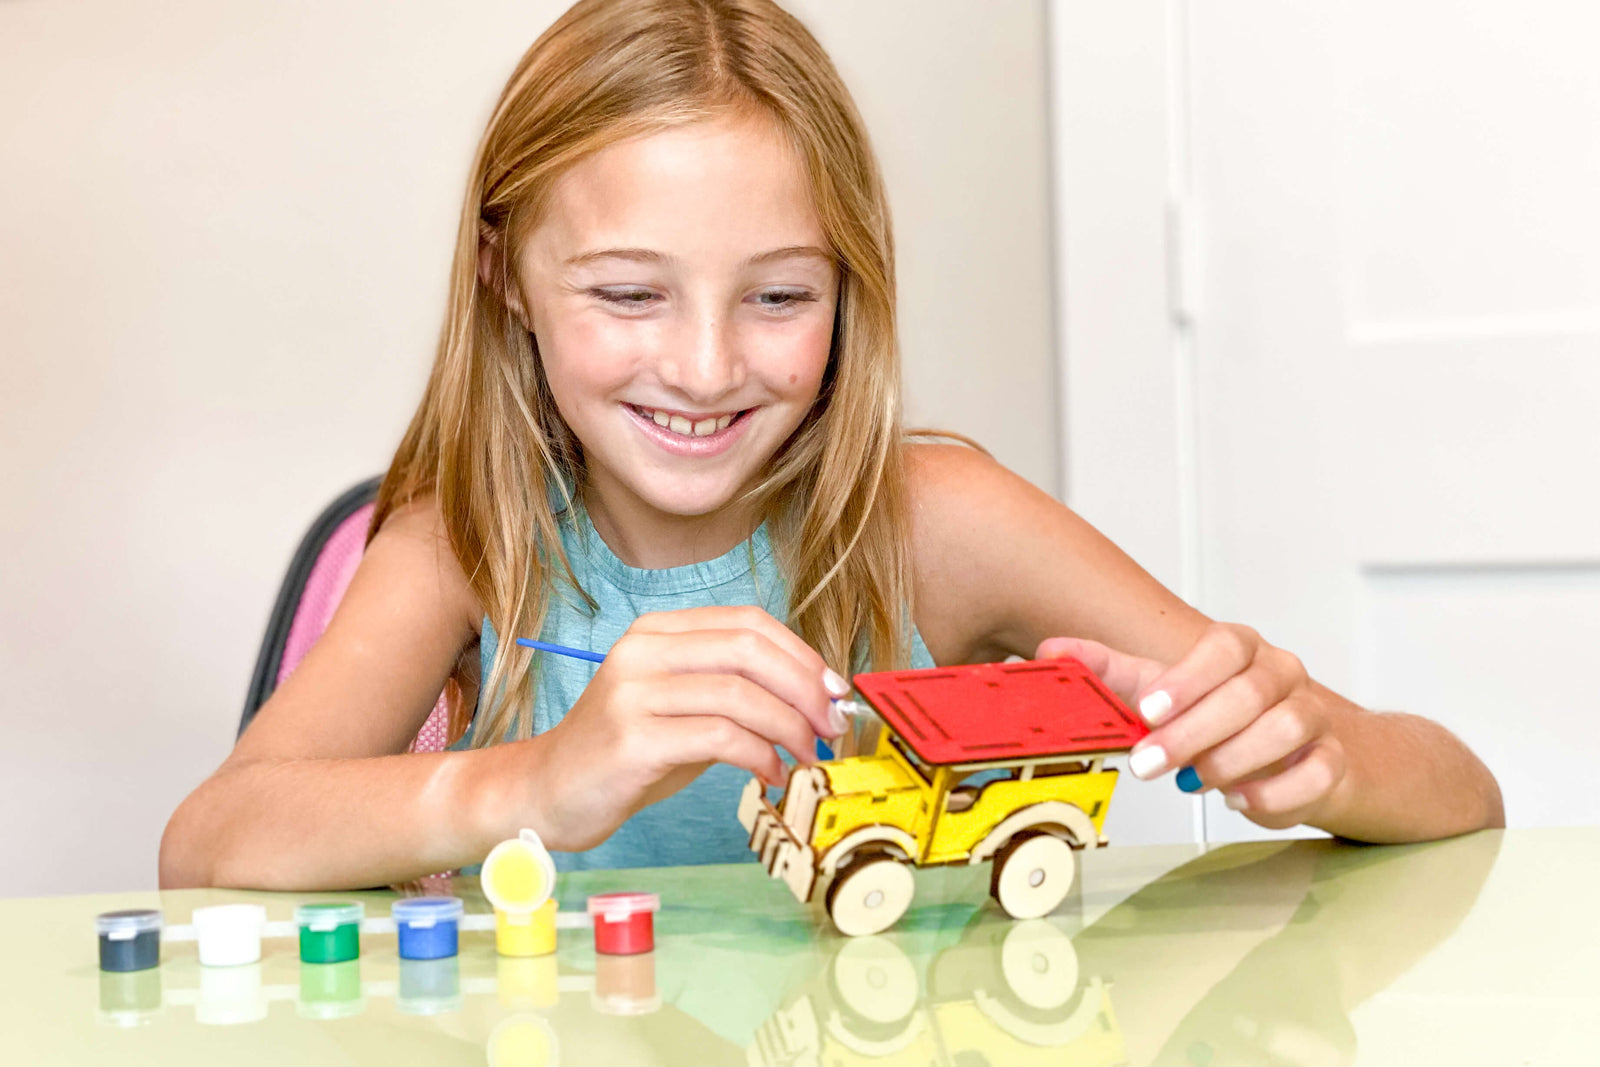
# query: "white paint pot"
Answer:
x=229 y=934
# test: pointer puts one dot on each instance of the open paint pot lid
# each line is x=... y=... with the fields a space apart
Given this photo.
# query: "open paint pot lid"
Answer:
x=618 y=907
x=127 y=925
x=427 y=911
x=328 y=916
x=518 y=875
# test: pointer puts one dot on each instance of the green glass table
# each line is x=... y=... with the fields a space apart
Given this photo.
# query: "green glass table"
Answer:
x=1481 y=949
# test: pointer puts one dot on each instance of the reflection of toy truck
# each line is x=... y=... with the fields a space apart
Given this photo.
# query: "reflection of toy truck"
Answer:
x=1042 y=731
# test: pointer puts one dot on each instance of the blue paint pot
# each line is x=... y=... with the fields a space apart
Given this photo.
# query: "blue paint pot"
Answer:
x=427 y=926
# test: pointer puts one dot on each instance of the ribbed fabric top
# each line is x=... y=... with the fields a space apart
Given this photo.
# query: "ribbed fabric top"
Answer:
x=698 y=824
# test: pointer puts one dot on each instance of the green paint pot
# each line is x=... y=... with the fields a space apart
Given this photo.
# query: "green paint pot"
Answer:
x=329 y=933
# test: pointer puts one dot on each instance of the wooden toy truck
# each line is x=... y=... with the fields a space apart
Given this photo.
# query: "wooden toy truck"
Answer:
x=1042 y=728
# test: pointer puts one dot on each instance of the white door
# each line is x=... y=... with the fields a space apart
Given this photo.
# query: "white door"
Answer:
x=1397 y=362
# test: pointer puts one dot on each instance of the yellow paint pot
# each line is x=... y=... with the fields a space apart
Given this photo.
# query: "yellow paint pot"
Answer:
x=526 y=933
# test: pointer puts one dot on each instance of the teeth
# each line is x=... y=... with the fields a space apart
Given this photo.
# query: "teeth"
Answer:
x=681 y=425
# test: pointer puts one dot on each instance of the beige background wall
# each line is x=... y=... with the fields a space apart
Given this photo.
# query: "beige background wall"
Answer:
x=223 y=236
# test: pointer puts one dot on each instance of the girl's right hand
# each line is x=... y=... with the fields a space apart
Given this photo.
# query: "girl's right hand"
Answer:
x=679 y=691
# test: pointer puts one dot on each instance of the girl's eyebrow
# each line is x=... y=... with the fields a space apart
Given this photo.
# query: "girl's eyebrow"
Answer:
x=649 y=255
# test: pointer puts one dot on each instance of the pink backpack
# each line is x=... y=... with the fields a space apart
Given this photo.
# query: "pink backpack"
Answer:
x=318 y=575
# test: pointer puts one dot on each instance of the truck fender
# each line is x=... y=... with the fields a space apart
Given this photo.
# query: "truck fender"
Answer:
x=899 y=844
x=1065 y=820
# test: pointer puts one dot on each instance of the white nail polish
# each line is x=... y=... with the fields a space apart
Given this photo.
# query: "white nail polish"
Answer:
x=1147 y=762
x=835 y=684
x=1156 y=706
x=1235 y=801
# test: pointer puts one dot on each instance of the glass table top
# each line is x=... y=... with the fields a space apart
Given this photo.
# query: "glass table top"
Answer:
x=1480 y=949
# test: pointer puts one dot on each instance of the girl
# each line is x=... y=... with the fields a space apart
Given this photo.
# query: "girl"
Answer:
x=663 y=423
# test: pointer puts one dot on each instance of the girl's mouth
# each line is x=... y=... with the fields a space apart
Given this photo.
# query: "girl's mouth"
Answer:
x=691 y=434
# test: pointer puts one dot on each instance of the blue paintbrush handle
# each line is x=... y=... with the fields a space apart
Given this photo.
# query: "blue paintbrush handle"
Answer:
x=562 y=650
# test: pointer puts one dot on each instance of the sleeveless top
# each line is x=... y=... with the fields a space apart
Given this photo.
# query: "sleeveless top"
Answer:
x=699 y=823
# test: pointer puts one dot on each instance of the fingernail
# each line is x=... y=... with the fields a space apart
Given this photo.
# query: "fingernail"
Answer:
x=1147 y=762
x=1189 y=780
x=1155 y=707
x=837 y=720
x=835 y=684
x=1235 y=801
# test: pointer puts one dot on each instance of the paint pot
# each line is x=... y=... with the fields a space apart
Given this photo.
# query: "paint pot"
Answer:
x=229 y=935
x=526 y=933
x=129 y=998
x=527 y=983
x=624 y=923
x=428 y=926
x=330 y=990
x=625 y=985
x=129 y=940
x=429 y=987
x=231 y=995
x=519 y=878
x=329 y=933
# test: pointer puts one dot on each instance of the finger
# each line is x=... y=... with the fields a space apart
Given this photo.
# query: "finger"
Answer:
x=738 y=700
x=1279 y=733
x=1222 y=713
x=741 y=652
x=746 y=617
x=1126 y=675
x=694 y=739
x=1287 y=798
x=1223 y=651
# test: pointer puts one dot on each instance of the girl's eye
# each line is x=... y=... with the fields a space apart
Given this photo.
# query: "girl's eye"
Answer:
x=783 y=299
x=630 y=298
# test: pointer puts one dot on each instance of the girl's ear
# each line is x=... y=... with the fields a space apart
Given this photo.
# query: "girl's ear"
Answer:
x=494 y=276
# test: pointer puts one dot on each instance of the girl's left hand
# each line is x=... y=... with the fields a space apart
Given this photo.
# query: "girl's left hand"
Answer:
x=1235 y=714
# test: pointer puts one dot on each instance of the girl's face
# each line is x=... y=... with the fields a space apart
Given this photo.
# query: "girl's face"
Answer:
x=682 y=296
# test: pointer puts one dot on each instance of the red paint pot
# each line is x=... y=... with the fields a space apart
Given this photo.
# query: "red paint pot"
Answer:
x=624 y=923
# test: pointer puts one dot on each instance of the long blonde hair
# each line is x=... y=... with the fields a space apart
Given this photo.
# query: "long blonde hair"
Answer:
x=487 y=442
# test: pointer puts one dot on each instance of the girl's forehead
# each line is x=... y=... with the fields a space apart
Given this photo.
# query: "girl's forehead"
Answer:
x=729 y=185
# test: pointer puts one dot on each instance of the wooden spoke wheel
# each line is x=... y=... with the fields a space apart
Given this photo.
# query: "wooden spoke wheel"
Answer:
x=869 y=895
x=1032 y=875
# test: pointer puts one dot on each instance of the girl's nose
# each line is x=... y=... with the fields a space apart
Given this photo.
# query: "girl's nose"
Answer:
x=704 y=362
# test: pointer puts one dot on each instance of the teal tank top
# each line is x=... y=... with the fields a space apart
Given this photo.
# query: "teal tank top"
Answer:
x=698 y=824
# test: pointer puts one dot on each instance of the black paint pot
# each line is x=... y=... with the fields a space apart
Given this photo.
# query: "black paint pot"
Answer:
x=129 y=940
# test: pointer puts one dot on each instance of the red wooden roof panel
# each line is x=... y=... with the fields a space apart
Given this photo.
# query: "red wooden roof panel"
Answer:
x=1001 y=711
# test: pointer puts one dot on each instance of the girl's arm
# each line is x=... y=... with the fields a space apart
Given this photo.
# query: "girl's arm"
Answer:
x=318 y=793
x=1001 y=568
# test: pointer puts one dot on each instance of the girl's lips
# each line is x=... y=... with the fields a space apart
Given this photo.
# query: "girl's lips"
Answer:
x=678 y=444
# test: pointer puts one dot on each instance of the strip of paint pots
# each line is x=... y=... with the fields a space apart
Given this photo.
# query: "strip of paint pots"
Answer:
x=427 y=926
x=129 y=940
x=329 y=933
x=624 y=923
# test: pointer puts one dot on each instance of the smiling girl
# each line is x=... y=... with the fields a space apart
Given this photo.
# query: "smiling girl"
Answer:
x=664 y=423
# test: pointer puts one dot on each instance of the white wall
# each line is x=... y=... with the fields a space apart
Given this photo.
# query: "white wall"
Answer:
x=224 y=230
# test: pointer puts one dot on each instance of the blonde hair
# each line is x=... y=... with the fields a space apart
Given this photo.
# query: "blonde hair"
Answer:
x=487 y=442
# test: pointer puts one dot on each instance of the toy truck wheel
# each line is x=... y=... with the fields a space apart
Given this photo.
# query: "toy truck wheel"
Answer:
x=869 y=895
x=1032 y=875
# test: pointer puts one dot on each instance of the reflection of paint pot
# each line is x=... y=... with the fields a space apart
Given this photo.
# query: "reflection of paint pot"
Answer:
x=129 y=998
x=230 y=995
x=229 y=935
x=330 y=990
x=430 y=987
x=523 y=1041
x=625 y=985
x=526 y=933
x=427 y=926
x=329 y=933
x=533 y=983
x=129 y=940
x=624 y=922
